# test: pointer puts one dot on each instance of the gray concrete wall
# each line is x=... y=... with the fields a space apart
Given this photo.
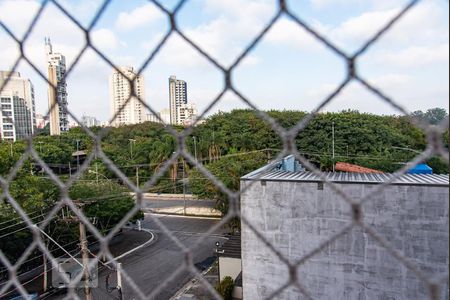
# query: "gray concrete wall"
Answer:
x=296 y=217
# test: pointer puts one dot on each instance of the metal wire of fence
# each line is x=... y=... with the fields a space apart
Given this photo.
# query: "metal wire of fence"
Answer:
x=433 y=133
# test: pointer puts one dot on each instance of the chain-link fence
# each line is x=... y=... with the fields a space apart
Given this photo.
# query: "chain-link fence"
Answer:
x=434 y=137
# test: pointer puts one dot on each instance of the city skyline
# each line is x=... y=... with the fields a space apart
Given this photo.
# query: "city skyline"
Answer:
x=302 y=74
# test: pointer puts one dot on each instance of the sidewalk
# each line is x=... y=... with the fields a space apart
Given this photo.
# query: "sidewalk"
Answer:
x=190 y=211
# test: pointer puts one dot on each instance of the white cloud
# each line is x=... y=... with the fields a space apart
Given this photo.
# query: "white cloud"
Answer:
x=415 y=57
x=138 y=17
x=357 y=97
x=321 y=4
x=17 y=14
x=235 y=24
x=83 y=10
x=241 y=8
x=104 y=39
x=288 y=33
x=363 y=26
x=389 y=81
x=425 y=23
x=376 y=4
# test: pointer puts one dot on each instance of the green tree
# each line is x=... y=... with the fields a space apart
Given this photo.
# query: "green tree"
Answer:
x=433 y=115
x=108 y=202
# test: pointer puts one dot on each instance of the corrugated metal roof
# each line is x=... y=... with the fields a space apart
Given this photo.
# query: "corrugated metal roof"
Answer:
x=271 y=172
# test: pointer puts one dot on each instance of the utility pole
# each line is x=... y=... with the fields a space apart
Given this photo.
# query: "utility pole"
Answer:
x=184 y=189
x=84 y=252
x=45 y=270
x=85 y=257
x=195 y=147
x=11 y=149
x=333 y=145
x=96 y=172
x=132 y=141
x=137 y=176
x=78 y=155
x=119 y=279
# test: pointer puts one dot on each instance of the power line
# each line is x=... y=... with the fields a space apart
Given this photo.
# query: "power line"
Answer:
x=19 y=217
x=23 y=228
x=23 y=221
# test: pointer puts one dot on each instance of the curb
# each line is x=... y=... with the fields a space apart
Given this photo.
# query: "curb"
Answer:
x=137 y=248
x=149 y=211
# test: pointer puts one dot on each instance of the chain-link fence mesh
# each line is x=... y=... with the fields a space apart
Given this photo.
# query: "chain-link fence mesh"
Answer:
x=434 y=137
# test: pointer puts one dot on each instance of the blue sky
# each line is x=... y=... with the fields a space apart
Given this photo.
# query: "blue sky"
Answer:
x=288 y=70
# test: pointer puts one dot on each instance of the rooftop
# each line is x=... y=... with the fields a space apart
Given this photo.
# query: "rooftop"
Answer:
x=277 y=171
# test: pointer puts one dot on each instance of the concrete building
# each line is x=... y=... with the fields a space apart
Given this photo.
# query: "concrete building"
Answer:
x=41 y=121
x=89 y=121
x=230 y=263
x=296 y=212
x=152 y=118
x=187 y=114
x=57 y=90
x=134 y=111
x=165 y=115
x=18 y=108
x=177 y=98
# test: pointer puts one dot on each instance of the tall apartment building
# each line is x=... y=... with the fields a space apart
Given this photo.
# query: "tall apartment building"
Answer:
x=134 y=111
x=18 y=111
x=177 y=98
x=57 y=97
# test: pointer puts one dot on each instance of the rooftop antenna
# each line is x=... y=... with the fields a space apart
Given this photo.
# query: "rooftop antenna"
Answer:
x=48 y=45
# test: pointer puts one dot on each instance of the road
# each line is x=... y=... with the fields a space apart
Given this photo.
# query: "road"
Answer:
x=152 y=265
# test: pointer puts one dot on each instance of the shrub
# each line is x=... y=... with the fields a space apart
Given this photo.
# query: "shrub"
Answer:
x=225 y=288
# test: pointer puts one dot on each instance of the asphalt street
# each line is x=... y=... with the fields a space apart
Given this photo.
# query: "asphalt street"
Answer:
x=152 y=265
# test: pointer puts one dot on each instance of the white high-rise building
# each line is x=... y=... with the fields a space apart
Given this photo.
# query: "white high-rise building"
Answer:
x=89 y=121
x=177 y=98
x=188 y=114
x=57 y=98
x=18 y=111
x=134 y=111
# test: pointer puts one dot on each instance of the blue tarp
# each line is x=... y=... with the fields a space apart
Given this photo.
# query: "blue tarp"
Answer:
x=421 y=169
